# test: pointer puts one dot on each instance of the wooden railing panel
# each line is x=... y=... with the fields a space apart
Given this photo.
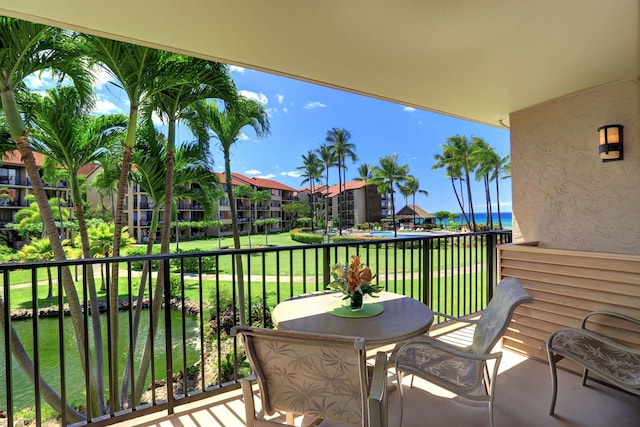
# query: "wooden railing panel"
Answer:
x=566 y=285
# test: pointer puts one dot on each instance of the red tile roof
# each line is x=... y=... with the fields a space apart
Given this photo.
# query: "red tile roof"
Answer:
x=13 y=157
x=261 y=182
x=352 y=185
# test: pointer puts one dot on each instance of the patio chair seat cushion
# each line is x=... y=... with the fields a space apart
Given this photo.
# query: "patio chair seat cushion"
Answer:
x=423 y=358
x=614 y=361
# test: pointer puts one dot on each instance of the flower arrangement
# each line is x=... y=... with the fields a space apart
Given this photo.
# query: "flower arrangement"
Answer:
x=354 y=281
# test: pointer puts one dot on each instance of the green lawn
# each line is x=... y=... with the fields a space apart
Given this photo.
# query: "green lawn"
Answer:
x=287 y=272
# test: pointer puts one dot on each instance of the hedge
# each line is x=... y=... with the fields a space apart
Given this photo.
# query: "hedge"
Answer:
x=309 y=238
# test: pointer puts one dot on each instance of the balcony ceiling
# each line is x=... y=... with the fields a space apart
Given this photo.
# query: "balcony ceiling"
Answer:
x=478 y=60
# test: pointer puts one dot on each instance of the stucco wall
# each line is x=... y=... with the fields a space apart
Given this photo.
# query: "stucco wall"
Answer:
x=564 y=196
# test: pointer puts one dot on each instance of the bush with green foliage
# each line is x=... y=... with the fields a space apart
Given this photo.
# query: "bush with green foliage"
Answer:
x=192 y=264
x=141 y=250
x=309 y=238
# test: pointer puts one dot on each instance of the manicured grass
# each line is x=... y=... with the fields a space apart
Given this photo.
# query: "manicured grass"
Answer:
x=298 y=271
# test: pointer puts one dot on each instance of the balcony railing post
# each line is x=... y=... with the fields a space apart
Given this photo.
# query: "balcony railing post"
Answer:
x=492 y=263
x=166 y=268
x=326 y=264
x=426 y=271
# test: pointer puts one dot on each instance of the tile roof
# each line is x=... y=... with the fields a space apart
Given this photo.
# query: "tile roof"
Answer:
x=261 y=182
x=14 y=158
x=352 y=185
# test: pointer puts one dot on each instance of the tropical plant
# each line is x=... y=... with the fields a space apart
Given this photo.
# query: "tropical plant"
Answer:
x=326 y=154
x=338 y=139
x=454 y=157
x=265 y=222
x=484 y=159
x=226 y=125
x=410 y=187
x=29 y=48
x=312 y=169
x=365 y=174
x=387 y=174
x=501 y=169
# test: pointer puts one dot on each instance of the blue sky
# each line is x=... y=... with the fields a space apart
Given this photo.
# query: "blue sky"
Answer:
x=300 y=115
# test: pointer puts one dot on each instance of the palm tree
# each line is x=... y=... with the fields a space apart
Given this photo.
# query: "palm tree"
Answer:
x=501 y=169
x=66 y=133
x=410 y=188
x=39 y=250
x=338 y=139
x=30 y=48
x=257 y=197
x=365 y=174
x=311 y=172
x=484 y=158
x=451 y=159
x=193 y=180
x=328 y=158
x=227 y=124
x=385 y=176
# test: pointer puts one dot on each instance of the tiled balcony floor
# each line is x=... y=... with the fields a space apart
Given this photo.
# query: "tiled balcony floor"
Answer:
x=522 y=399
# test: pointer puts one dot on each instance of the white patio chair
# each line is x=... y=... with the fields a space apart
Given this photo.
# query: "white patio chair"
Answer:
x=323 y=376
x=464 y=371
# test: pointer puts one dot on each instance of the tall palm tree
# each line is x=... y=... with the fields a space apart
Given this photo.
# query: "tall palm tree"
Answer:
x=387 y=174
x=226 y=125
x=329 y=160
x=338 y=139
x=39 y=250
x=484 y=158
x=365 y=174
x=244 y=192
x=312 y=169
x=455 y=160
x=29 y=48
x=501 y=169
x=411 y=187
x=258 y=197
x=192 y=180
x=66 y=133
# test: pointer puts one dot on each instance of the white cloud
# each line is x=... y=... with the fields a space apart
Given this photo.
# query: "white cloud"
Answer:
x=260 y=97
x=104 y=106
x=409 y=109
x=293 y=174
x=101 y=77
x=314 y=104
x=243 y=137
x=235 y=69
x=252 y=172
x=35 y=82
x=285 y=110
x=268 y=176
x=280 y=98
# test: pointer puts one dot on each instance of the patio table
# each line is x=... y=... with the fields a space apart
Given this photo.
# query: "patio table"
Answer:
x=401 y=317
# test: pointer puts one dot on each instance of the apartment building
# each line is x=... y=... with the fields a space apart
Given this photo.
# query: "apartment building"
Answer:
x=15 y=185
x=248 y=210
x=359 y=203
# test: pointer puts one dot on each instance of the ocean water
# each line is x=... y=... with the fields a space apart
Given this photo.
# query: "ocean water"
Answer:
x=481 y=218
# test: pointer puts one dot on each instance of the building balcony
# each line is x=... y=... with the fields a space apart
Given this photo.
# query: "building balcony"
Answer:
x=427 y=269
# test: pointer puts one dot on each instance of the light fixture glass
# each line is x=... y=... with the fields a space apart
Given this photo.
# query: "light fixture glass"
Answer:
x=610 y=147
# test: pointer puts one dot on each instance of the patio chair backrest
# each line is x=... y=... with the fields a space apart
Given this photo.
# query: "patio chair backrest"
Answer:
x=309 y=374
x=495 y=319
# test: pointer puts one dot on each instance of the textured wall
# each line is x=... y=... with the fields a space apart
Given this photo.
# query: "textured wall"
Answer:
x=564 y=196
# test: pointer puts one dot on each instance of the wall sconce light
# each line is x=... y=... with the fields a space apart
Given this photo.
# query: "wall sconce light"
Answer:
x=610 y=142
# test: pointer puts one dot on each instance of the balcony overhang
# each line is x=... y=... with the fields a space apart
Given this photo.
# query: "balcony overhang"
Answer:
x=475 y=60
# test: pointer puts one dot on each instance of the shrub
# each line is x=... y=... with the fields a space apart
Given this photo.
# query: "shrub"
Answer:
x=309 y=238
x=191 y=264
x=142 y=250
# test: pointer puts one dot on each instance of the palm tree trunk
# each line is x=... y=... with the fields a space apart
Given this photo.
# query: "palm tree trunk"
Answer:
x=126 y=375
x=67 y=279
x=393 y=212
x=473 y=214
x=93 y=295
x=236 y=238
x=22 y=358
x=498 y=202
x=326 y=205
x=339 y=198
x=460 y=203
